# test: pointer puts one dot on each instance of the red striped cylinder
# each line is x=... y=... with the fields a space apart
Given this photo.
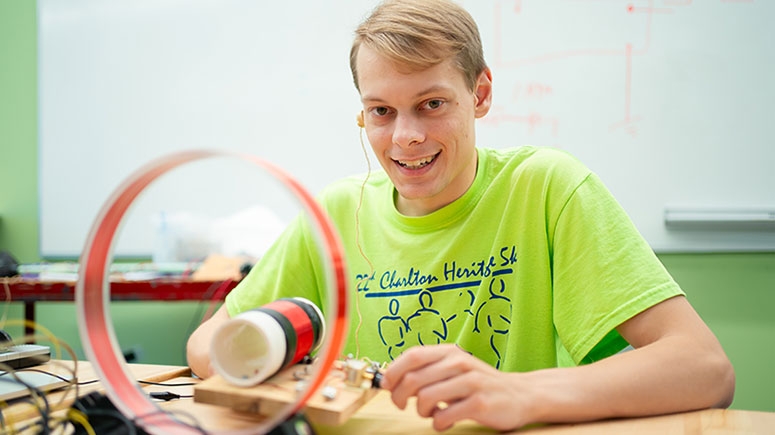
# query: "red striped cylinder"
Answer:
x=258 y=343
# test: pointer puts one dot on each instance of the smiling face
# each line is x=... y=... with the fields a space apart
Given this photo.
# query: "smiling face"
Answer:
x=421 y=127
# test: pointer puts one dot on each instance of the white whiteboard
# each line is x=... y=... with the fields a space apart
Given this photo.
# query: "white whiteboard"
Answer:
x=669 y=101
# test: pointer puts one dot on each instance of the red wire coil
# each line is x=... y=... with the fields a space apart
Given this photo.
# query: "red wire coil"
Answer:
x=93 y=291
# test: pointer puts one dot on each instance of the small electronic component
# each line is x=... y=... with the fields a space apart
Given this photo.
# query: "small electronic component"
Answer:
x=360 y=374
x=352 y=372
x=329 y=393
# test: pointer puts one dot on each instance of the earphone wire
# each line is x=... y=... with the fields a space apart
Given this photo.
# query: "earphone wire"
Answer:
x=360 y=248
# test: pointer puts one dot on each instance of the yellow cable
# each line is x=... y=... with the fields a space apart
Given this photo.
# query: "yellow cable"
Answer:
x=79 y=417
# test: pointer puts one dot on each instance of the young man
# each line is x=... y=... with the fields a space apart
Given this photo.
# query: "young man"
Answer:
x=500 y=285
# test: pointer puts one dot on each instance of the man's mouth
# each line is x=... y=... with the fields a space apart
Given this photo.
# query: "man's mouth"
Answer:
x=417 y=164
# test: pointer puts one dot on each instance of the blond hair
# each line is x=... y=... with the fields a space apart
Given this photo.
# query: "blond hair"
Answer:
x=418 y=34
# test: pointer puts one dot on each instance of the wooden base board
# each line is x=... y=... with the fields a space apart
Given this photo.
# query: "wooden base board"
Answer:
x=276 y=393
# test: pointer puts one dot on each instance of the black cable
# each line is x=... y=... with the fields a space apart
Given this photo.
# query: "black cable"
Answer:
x=103 y=416
x=164 y=384
x=54 y=375
x=131 y=428
x=167 y=395
x=93 y=381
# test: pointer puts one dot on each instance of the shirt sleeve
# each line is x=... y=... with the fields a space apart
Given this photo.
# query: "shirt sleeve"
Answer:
x=292 y=267
x=604 y=273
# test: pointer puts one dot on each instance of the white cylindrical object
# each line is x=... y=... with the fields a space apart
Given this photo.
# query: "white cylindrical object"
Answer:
x=256 y=344
x=248 y=349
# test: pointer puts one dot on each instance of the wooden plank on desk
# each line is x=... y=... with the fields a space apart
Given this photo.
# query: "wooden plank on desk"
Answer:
x=140 y=372
x=209 y=417
x=276 y=393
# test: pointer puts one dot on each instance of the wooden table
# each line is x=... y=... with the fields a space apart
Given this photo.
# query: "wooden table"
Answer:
x=380 y=416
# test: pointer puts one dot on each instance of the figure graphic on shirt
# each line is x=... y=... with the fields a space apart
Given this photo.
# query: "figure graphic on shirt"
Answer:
x=471 y=300
x=392 y=330
x=426 y=324
x=493 y=317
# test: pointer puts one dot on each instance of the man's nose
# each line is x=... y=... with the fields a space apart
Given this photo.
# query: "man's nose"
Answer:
x=408 y=131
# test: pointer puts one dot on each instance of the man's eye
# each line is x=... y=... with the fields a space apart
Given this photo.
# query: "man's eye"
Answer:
x=433 y=104
x=381 y=111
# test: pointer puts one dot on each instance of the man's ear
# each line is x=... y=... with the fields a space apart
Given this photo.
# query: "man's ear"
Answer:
x=483 y=93
x=359 y=119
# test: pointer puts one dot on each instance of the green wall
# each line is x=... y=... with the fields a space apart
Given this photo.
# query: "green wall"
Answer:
x=734 y=293
x=18 y=129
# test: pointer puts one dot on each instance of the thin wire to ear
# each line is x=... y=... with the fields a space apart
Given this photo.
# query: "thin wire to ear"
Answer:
x=358 y=241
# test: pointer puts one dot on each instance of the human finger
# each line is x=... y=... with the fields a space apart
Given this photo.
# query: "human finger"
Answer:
x=485 y=399
x=412 y=360
x=439 y=395
x=452 y=363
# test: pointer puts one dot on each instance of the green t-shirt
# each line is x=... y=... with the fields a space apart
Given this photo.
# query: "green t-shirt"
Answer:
x=533 y=267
